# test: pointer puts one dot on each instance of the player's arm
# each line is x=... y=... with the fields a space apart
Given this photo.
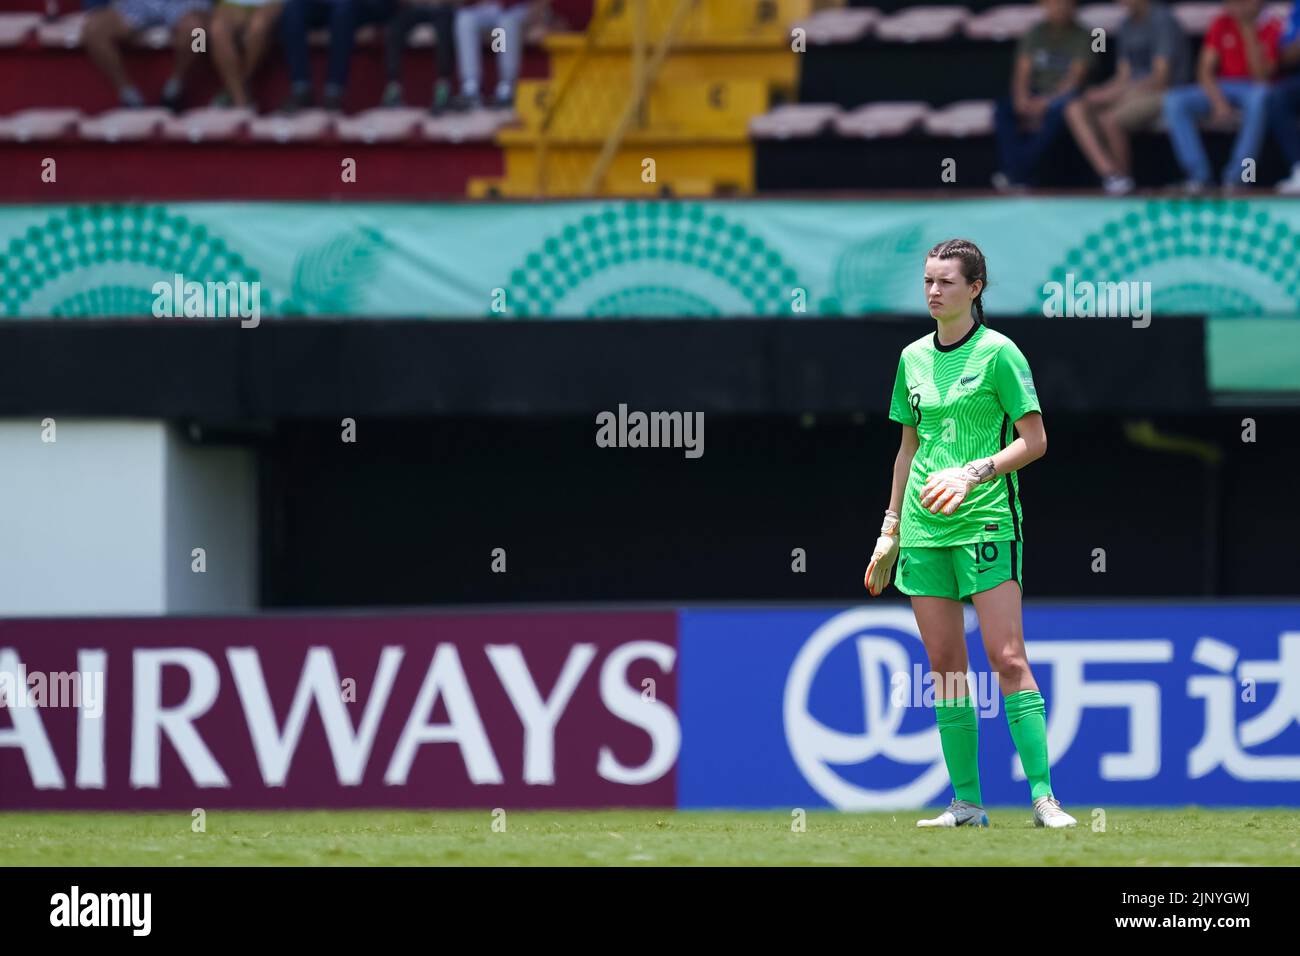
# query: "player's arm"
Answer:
x=886 y=550
x=1030 y=446
x=946 y=490
x=903 y=467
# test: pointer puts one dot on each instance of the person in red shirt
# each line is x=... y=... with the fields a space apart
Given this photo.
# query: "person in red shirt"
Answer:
x=1237 y=62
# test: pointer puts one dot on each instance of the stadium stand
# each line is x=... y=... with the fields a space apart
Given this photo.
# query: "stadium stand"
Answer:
x=951 y=63
x=754 y=95
x=51 y=94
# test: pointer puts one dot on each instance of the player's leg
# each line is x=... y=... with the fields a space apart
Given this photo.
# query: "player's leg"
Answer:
x=926 y=575
x=990 y=574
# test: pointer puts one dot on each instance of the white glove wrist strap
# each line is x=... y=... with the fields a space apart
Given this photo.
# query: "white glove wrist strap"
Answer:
x=981 y=471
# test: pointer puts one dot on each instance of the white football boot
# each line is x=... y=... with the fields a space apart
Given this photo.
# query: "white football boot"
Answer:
x=1048 y=813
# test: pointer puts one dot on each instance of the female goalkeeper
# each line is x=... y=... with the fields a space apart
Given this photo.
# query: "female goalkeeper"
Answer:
x=957 y=394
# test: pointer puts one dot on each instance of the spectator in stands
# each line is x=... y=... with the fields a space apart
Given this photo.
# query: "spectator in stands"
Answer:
x=472 y=22
x=1284 y=102
x=442 y=14
x=1237 y=61
x=107 y=27
x=1052 y=61
x=250 y=23
x=1153 y=55
x=343 y=17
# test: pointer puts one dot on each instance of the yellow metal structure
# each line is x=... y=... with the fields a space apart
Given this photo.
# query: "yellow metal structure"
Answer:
x=656 y=97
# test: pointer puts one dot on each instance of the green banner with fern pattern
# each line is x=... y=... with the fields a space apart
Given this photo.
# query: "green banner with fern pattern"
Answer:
x=1229 y=258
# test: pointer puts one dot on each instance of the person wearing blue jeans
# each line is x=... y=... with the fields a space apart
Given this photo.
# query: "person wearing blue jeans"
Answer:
x=1284 y=104
x=476 y=20
x=1187 y=104
x=1021 y=152
x=343 y=17
x=1237 y=60
x=1052 y=60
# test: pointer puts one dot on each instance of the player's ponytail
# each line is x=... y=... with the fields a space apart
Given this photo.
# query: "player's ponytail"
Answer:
x=972 y=267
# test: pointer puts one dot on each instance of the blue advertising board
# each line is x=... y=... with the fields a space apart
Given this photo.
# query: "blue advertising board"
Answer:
x=1146 y=705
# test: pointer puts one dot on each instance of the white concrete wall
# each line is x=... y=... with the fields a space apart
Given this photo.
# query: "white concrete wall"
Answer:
x=211 y=504
x=100 y=520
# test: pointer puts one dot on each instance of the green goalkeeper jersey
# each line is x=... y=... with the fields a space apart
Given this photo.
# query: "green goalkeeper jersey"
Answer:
x=963 y=400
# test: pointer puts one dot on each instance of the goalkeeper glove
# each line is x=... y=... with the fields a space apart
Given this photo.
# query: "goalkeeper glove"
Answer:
x=947 y=489
x=883 y=558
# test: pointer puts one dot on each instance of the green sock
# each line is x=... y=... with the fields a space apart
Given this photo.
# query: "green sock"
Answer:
x=1026 y=717
x=959 y=735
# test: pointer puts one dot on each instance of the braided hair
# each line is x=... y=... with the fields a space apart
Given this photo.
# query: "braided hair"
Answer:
x=972 y=267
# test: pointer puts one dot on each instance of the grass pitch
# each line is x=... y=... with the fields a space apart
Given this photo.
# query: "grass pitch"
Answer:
x=1132 y=837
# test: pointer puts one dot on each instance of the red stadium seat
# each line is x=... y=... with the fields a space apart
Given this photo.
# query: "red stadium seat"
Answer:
x=476 y=126
x=1107 y=16
x=1008 y=22
x=1195 y=17
x=63 y=32
x=379 y=125
x=882 y=120
x=301 y=127
x=840 y=26
x=794 y=121
x=38 y=124
x=15 y=28
x=922 y=24
x=207 y=125
x=965 y=118
x=115 y=126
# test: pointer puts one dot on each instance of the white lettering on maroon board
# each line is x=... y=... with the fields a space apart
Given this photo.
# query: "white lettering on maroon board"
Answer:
x=653 y=716
x=350 y=747
x=464 y=727
x=539 y=717
x=150 y=720
x=320 y=683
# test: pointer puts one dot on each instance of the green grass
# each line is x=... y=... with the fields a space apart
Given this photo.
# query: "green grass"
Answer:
x=1133 y=837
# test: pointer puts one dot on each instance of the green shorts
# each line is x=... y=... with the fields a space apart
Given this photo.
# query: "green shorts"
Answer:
x=960 y=571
